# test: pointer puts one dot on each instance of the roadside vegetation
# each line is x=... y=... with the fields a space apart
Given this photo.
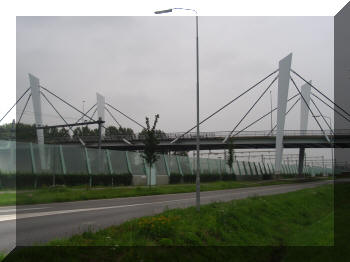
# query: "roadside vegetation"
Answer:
x=65 y=194
x=285 y=219
x=301 y=218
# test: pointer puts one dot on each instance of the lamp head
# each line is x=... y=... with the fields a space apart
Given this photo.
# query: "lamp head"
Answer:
x=163 y=11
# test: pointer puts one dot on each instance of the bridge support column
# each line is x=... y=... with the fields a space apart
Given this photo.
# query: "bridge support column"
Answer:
x=301 y=161
x=36 y=99
x=304 y=117
x=283 y=87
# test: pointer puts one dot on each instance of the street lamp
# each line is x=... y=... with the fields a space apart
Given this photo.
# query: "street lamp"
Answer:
x=197 y=75
x=332 y=143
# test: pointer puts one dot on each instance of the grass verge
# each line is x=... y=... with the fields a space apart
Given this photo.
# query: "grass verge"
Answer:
x=65 y=194
x=296 y=218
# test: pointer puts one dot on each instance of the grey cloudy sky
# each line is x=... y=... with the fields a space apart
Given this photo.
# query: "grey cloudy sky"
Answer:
x=146 y=65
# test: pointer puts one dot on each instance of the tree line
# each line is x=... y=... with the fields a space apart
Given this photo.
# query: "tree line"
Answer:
x=27 y=133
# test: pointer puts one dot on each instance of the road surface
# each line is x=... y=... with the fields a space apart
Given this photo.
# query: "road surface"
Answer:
x=44 y=222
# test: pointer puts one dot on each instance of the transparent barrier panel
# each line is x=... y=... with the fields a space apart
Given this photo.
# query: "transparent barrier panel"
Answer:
x=204 y=166
x=245 y=168
x=252 y=168
x=98 y=161
x=136 y=164
x=160 y=166
x=185 y=165
x=118 y=162
x=255 y=168
x=213 y=165
x=172 y=164
x=193 y=164
x=223 y=169
x=7 y=157
x=23 y=158
x=53 y=165
x=237 y=168
x=75 y=159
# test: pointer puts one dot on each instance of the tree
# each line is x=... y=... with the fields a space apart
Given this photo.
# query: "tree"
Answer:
x=230 y=154
x=158 y=133
x=151 y=142
x=114 y=131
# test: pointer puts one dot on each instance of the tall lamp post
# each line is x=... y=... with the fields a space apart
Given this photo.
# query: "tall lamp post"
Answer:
x=197 y=74
x=332 y=141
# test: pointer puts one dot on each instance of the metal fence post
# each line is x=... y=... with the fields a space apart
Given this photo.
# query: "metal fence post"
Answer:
x=109 y=163
x=32 y=158
x=63 y=164
x=261 y=170
x=128 y=162
x=251 y=169
x=110 y=167
x=245 y=168
x=239 y=169
x=88 y=167
x=166 y=165
x=178 y=165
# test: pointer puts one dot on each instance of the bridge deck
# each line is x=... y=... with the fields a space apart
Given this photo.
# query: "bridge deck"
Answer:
x=214 y=140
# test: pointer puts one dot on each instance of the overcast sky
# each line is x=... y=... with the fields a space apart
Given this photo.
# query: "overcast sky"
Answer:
x=146 y=65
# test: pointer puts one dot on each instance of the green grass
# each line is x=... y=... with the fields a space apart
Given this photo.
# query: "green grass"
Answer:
x=7 y=199
x=227 y=230
x=297 y=218
x=320 y=233
x=64 y=194
x=2 y=256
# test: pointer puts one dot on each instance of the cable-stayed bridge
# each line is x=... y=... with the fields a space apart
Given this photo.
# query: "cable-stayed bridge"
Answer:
x=213 y=140
x=278 y=138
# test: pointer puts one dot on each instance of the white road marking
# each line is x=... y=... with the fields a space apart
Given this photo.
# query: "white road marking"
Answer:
x=19 y=209
x=7 y=217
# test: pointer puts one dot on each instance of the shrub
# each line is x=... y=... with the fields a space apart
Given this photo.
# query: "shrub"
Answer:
x=229 y=177
x=7 y=181
x=189 y=178
x=175 y=178
x=210 y=178
x=165 y=242
x=266 y=176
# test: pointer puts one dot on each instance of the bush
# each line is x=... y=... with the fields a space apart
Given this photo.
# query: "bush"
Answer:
x=210 y=178
x=189 y=179
x=7 y=181
x=266 y=176
x=175 y=179
x=229 y=177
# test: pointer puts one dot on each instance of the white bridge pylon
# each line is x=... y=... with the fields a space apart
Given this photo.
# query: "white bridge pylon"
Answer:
x=36 y=99
x=101 y=110
x=282 y=98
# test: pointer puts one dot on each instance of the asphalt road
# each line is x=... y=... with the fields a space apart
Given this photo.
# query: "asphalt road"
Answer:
x=45 y=222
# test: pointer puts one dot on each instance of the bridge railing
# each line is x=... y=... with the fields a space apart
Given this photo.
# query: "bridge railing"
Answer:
x=203 y=135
